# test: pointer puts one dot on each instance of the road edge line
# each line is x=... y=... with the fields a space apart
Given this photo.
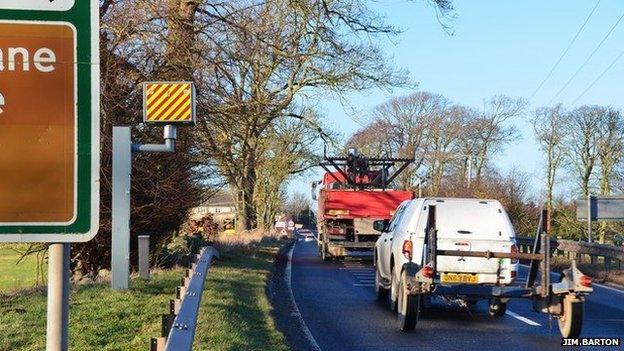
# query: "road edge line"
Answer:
x=297 y=312
x=523 y=319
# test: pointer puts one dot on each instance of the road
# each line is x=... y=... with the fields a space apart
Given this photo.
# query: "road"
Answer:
x=336 y=301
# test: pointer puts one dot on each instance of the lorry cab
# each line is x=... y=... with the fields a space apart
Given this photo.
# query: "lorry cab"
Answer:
x=462 y=225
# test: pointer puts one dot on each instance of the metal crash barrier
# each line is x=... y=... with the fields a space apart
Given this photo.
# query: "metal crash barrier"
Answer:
x=178 y=326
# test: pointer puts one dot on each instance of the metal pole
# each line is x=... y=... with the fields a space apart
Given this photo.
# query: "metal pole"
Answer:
x=144 y=266
x=589 y=217
x=122 y=174
x=58 y=297
x=122 y=168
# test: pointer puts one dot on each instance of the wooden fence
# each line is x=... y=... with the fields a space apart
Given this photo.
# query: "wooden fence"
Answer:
x=610 y=256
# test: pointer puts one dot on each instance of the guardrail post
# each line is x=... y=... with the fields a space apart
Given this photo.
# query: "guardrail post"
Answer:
x=144 y=265
x=607 y=263
x=158 y=344
x=167 y=324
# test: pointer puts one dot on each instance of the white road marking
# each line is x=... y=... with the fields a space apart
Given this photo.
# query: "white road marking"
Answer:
x=608 y=288
x=296 y=313
x=523 y=319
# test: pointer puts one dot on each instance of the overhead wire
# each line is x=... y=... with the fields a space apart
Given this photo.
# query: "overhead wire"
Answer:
x=565 y=52
x=613 y=63
x=604 y=39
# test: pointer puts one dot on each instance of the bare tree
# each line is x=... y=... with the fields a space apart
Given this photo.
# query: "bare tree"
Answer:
x=610 y=147
x=290 y=148
x=297 y=204
x=258 y=59
x=581 y=142
x=610 y=153
x=444 y=134
x=547 y=124
x=412 y=122
x=374 y=139
x=492 y=128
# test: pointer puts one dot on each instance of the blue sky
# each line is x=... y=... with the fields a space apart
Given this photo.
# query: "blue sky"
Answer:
x=499 y=47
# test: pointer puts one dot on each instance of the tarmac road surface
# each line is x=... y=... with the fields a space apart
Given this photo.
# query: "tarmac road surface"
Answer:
x=336 y=301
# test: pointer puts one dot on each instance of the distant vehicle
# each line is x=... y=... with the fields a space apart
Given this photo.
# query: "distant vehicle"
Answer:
x=306 y=234
x=462 y=224
x=351 y=197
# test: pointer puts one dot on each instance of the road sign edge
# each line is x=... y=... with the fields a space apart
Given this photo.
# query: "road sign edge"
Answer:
x=95 y=151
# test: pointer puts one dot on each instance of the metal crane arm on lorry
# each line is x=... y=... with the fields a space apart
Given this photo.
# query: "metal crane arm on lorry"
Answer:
x=356 y=165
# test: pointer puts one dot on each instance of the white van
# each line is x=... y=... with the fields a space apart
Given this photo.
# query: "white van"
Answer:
x=473 y=225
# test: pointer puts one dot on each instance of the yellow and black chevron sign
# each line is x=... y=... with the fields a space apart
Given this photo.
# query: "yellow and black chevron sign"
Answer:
x=168 y=102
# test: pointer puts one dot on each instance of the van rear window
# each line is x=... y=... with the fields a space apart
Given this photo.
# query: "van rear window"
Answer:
x=472 y=219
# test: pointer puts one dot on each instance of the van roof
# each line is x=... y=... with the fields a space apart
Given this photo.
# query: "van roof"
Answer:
x=457 y=199
x=471 y=218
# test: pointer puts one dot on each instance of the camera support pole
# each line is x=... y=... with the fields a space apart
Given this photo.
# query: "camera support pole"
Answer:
x=122 y=175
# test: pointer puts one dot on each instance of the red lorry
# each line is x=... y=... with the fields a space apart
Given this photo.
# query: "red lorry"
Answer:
x=351 y=197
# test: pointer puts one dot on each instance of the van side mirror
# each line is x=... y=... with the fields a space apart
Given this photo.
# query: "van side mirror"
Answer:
x=381 y=225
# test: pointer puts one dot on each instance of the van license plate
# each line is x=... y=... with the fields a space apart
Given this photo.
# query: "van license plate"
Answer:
x=458 y=278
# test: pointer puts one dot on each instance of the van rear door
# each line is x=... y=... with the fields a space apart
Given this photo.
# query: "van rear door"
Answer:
x=473 y=225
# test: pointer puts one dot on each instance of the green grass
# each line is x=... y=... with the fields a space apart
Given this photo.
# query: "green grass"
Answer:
x=100 y=319
x=14 y=276
x=235 y=311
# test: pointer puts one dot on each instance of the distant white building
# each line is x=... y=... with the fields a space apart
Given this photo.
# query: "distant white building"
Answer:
x=222 y=207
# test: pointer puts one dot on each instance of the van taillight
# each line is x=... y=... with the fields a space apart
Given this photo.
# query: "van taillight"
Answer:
x=514 y=249
x=427 y=271
x=585 y=281
x=407 y=249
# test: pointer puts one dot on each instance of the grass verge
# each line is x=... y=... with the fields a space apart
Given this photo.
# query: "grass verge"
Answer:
x=17 y=276
x=100 y=319
x=235 y=313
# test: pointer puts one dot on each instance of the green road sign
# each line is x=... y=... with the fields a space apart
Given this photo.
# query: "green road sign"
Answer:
x=49 y=120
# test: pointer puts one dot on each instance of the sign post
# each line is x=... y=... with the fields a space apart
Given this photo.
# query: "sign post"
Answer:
x=167 y=103
x=49 y=136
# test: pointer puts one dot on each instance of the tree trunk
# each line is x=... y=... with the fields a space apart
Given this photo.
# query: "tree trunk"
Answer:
x=248 y=186
x=181 y=40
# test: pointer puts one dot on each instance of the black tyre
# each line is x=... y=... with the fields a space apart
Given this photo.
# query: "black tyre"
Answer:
x=498 y=309
x=571 y=321
x=324 y=254
x=394 y=286
x=408 y=306
x=380 y=291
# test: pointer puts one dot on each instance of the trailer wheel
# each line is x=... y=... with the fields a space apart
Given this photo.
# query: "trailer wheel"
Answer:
x=408 y=306
x=571 y=321
x=381 y=292
x=497 y=308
